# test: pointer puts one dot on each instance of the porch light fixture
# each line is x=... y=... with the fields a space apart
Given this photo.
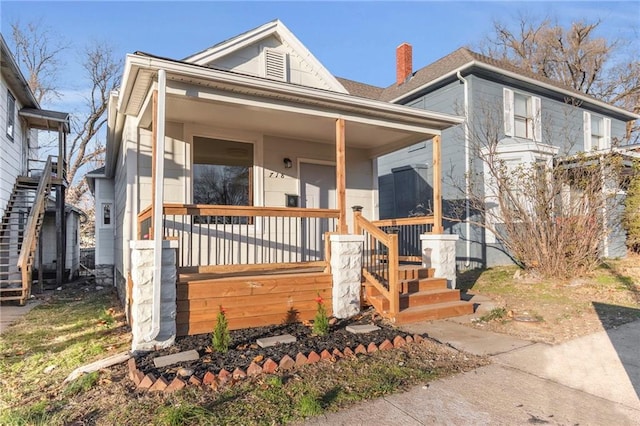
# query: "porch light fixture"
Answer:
x=287 y=163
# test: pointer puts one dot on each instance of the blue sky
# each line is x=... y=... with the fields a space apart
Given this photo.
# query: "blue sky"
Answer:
x=355 y=39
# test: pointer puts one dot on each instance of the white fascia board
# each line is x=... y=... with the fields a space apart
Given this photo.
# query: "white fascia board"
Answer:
x=297 y=93
x=236 y=43
x=516 y=76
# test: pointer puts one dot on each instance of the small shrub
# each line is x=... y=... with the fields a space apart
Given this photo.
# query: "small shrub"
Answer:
x=82 y=384
x=320 y=321
x=309 y=406
x=187 y=413
x=221 y=337
x=494 y=314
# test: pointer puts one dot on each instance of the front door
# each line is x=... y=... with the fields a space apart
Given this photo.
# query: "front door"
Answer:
x=317 y=190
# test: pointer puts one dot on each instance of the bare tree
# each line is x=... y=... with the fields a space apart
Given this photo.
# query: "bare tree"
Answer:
x=574 y=56
x=38 y=52
x=103 y=75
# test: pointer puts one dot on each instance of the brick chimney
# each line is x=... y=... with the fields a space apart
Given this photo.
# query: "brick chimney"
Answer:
x=404 y=62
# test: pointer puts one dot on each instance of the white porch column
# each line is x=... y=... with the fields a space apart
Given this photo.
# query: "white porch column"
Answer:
x=143 y=302
x=346 y=268
x=439 y=253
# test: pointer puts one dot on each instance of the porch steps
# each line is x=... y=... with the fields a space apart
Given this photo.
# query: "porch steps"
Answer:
x=422 y=297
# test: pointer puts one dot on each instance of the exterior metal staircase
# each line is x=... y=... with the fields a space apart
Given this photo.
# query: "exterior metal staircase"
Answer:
x=19 y=232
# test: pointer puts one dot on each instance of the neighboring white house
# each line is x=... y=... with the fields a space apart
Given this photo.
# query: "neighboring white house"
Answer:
x=24 y=185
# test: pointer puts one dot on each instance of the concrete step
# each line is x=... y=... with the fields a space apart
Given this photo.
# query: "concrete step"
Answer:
x=434 y=312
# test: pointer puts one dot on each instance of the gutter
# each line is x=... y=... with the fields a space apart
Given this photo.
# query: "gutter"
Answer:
x=467 y=168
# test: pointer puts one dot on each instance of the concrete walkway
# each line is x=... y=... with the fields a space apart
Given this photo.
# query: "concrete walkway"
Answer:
x=593 y=380
x=10 y=313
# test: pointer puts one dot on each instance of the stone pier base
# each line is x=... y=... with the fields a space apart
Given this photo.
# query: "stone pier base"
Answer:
x=142 y=270
x=439 y=252
x=104 y=275
x=346 y=268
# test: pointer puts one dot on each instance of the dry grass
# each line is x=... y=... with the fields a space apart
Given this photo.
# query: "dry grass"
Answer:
x=608 y=297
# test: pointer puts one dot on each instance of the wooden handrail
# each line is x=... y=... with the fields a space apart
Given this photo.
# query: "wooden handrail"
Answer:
x=417 y=220
x=142 y=216
x=391 y=242
x=246 y=211
x=29 y=240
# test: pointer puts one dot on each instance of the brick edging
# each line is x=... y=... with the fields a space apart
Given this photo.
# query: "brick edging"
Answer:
x=150 y=383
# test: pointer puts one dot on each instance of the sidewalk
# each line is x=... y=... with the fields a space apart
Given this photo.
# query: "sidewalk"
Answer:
x=10 y=313
x=593 y=380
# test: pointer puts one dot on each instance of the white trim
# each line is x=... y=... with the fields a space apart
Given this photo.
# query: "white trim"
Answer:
x=536 y=116
x=586 y=125
x=508 y=99
x=606 y=133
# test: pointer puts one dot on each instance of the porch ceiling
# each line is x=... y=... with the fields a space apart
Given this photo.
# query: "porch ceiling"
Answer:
x=310 y=125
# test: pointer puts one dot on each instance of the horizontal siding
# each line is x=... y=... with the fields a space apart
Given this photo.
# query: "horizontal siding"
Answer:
x=12 y=160
x=282 y=298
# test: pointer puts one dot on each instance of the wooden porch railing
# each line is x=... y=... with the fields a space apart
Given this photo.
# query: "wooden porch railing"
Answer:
x=387 y=243
x=225 y=238
x=380 y=262
x=34 y=222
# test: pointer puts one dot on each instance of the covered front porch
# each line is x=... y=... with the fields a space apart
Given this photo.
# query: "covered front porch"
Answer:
x=294 y=220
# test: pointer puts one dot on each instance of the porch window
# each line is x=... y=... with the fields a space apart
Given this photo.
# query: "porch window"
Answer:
x=222 y=172
x=11 y=115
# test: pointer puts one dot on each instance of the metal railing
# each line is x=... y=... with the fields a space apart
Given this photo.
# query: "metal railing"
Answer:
x=380 y=262
x=408 y=230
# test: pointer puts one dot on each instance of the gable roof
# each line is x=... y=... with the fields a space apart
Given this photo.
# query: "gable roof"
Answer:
x=273 y=28
x=464 y=59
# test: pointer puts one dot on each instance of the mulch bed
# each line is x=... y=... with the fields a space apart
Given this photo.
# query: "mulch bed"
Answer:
x=244 y=349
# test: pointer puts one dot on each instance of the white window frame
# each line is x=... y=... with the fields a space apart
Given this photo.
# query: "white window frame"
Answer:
x=11 y=115
x=604 y=141
x=101 y=223
x=533 y=118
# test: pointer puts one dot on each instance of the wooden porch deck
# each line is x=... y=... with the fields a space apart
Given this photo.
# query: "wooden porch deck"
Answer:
x=250 y=299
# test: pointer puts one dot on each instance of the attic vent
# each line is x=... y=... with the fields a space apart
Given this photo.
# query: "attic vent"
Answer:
x=275 y=64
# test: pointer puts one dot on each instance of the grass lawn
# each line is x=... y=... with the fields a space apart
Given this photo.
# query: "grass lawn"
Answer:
x=564 y=310
x=77 y=326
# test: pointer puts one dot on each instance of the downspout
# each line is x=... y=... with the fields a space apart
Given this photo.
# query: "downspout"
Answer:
x=158 y=232
x=467 y=168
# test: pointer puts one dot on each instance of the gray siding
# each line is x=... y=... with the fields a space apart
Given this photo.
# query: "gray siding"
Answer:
x=562 y=126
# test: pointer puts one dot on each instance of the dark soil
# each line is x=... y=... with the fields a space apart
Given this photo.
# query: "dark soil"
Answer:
x=244 y=349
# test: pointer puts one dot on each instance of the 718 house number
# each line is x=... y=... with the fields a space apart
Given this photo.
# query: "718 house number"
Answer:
x=276 y=175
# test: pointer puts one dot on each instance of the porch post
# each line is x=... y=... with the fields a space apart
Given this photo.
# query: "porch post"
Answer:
x=157 y=202
x=437 y=186
x=154 y=130
x=341 y=176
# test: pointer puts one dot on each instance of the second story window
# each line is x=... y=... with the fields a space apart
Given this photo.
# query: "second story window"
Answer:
x=11 y=115
x=522 y=115
x=597 y=132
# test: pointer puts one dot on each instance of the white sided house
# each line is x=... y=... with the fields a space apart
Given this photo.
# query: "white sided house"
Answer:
x=230 y=178
x=27 y=182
